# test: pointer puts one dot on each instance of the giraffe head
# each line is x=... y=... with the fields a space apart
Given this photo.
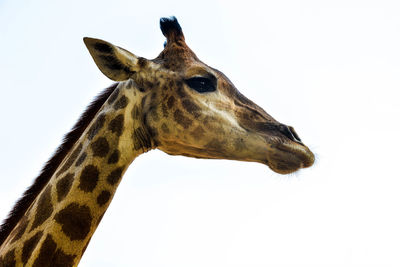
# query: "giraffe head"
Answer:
x=192 y=109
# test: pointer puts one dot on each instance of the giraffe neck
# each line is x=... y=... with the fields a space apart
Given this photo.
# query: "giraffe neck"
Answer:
x=59 y=224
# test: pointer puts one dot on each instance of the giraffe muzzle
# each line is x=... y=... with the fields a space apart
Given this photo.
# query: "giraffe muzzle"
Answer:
x=285 y=158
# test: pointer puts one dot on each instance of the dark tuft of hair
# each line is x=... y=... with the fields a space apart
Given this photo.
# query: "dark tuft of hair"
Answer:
x=170 y=25
x=52 y=164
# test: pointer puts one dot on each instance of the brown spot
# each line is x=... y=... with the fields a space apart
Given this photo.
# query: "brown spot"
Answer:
x=191 y=107
x=154 y=115
x=50 y=256
x=70 y=160
x=75 y=221
x=135 y=113
x=215 y=145
x=122 y=102
x=171 y=83
x=29 y=246
x=9 y=259
x=103 y=197
x=198 y=133
x=142 y=62
x=117 y=124
x=100 y=147
x=115 y=176
x=139 y=86
x=153 y=97
x=63 y=186
x=113 y=96
x=184 y=121
x=96 y=126
x=89 y=178
x=148 y=84
x=114 y=157
x=81 y=159
x=181 y=92
x=141 y=139
x=164 y=128
x=44 y=208
x=171 y=101
x=143 y=102
x=164 y=110
x=20 y=229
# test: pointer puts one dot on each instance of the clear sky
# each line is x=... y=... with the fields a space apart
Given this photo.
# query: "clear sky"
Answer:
x=329 y=68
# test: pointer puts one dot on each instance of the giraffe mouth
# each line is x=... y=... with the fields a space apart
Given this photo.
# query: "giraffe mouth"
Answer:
x=289 y=158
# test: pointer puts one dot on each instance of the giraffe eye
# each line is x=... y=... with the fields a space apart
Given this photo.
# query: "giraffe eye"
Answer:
x=202 y=84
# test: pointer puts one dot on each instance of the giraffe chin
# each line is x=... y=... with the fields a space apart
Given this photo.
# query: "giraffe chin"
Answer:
x=289 y=158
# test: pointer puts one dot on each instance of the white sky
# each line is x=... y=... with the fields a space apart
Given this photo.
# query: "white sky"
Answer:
x=329 y=68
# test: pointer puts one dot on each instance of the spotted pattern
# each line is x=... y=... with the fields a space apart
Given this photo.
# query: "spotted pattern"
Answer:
x=81 y=159
x=198 y=132
x=63 y=186
x=154 y=115
x=171 y=102
x=164 y=110
x=29 y=246
x=100 y=147
x=165 y=128
x=181 y=119
x=9 y=259
x=153 y=97
x=143 y=102
x=117 y=124
x=88 y=179
x=114 y=176
x=191 y=107
x=180 y=90
x=141 y=139
x=142 y=62
x=135 y=112
x=114 y=157
x=51 y=256
x=215 y=145
x=97 y=125
x=70 y=160
x=75 y=221
x=113 y=96
x=121 y=103
x=44 y=208
x=20 y=229
x=103 y=197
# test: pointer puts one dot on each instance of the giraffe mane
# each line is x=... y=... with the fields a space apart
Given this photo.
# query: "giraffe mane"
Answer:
x=52 y=164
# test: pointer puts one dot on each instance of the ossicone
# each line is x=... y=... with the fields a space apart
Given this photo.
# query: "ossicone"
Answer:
x=171 y=29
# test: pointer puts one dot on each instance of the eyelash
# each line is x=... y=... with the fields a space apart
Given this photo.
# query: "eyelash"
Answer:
x=201 y=84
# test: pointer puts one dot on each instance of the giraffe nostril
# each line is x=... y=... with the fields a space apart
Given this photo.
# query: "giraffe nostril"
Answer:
x=290 y=133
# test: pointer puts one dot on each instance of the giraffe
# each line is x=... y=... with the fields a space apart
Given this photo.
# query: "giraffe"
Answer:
x=175 y=103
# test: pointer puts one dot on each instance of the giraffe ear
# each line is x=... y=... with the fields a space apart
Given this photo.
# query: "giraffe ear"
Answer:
x=116 y=63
